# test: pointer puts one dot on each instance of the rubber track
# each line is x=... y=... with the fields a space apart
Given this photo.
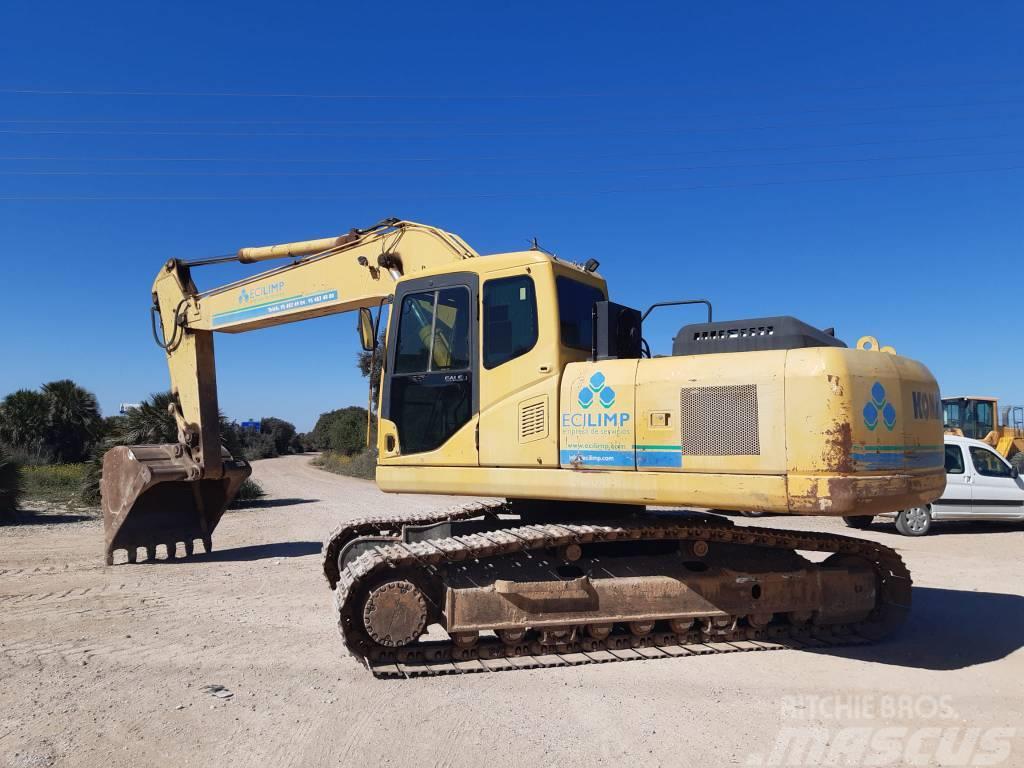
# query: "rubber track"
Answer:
x=443 y=657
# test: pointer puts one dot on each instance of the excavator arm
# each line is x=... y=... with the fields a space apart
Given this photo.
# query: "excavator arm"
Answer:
x=165 y=494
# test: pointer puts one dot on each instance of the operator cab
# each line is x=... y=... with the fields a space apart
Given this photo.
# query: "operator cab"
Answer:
x=972 y=417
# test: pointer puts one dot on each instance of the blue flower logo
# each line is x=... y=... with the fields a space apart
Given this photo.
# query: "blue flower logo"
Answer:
x=879 y=406
x=243 y=297
x=607 y=397
x=596 y=386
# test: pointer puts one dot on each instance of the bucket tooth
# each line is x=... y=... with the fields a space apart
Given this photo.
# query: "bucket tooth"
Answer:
x=155 y=494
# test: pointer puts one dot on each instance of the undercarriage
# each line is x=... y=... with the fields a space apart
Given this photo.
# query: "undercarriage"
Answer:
x=495 y=586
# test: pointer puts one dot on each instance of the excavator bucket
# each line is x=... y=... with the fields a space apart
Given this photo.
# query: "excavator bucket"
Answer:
x=153 y=494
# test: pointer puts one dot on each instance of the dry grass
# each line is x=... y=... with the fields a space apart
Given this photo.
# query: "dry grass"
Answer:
x=363 y=465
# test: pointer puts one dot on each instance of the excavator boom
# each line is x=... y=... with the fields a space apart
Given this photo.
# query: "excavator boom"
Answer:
x=165 y=494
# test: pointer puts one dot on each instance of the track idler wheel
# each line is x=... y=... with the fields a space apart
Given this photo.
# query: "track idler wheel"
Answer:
x=395 y=613
x=680 y=626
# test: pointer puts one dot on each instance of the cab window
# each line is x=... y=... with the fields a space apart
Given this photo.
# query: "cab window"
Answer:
x=988 y=463
x=510 y=319
x=952 y=417
x=432 y=383
x=575 y=312
x=979 y=420
x=954 y=460
x=433 y=332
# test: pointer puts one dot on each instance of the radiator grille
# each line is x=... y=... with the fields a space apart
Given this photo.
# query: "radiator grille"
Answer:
x=719 y=421
x=533 y=420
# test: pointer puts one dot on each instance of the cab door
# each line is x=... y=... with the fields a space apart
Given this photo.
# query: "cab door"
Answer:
x=996 y=491
x=956 y=499
x=431 y=388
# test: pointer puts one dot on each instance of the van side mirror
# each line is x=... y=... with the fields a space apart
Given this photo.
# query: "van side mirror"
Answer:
x=365 y=327
x=1014 y=473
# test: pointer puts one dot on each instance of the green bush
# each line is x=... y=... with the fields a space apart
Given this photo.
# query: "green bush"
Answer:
x=280 y=431
x=10 y=484
x=258 y=446
x=248 y=491
x=342 y=430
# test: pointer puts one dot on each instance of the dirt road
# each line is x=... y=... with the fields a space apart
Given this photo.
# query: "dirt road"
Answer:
x=106 y=666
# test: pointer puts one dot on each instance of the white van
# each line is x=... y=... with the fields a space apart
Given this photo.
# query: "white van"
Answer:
x=980 y=485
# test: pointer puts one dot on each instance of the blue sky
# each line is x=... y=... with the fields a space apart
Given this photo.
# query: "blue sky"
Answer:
x=855 y=165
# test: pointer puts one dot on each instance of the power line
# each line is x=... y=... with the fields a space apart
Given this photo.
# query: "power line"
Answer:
x=501 y=120
x=517 y=172
x=503 y=194
x=450 y=158
x=487 y=134
x=888 y=84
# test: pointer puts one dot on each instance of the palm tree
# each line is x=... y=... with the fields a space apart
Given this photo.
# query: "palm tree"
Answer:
x=10 y=484
x=74 y=420
x=24 y=420
x=151 y=422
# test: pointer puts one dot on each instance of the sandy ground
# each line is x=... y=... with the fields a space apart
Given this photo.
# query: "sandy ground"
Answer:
x=106 y=666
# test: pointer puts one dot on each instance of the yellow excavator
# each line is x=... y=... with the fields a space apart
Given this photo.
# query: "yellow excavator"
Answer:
x=980 y=418
x=512 y=376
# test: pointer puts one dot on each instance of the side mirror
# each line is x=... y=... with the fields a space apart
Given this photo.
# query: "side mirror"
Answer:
x=1014 y=473
x=365 y=327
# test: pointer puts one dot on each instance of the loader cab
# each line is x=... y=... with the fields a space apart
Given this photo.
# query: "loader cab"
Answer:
x=971 y=417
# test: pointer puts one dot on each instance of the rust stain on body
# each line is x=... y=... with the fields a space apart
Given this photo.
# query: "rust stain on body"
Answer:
x=838 y=453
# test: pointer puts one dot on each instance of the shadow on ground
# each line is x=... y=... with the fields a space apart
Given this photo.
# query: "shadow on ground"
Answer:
x=44 y=517
x=950 y=629
x=945 y=528
x=254 y=552
x=270 y=503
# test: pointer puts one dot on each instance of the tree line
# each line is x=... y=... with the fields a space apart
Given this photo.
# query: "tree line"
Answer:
x=61 y=423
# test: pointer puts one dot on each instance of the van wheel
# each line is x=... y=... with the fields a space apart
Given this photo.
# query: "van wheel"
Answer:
x=915 y=521
x=860 y=522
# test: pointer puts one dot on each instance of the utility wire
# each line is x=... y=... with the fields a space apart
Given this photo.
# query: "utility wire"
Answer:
x=450 y=158
x=505 y=194
x=516 y=172
x=888 y=84
x=480 y=134
x=501 y=120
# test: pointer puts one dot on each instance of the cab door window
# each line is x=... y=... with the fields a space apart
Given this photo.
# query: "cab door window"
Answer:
x=987 y=463
x=954 y=460
x=431 y=388
x=510 y=319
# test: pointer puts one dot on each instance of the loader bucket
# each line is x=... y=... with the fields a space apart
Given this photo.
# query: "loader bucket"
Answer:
x=152 y=495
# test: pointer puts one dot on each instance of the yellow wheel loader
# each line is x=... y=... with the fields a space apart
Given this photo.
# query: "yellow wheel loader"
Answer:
x=512 y=376
x=981 y=418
